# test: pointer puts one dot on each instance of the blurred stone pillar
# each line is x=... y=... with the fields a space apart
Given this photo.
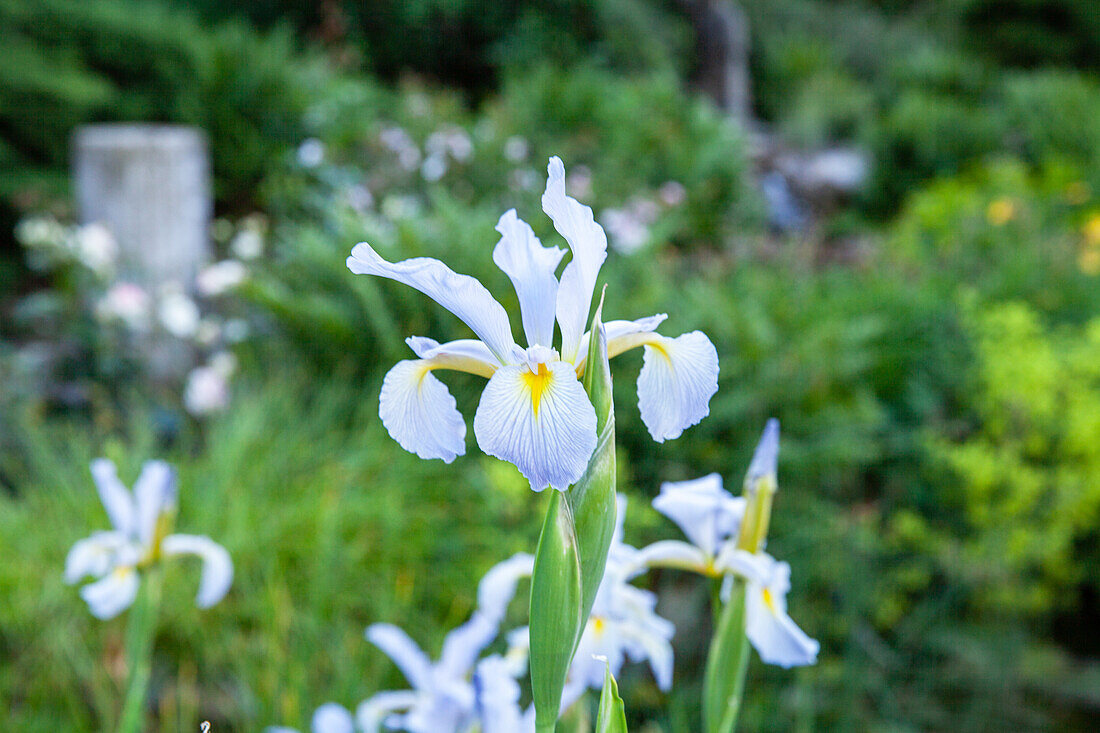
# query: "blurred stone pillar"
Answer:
x=722 y=55
x=150 y=186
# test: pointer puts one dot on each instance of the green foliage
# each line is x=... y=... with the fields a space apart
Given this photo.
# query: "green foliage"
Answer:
x=1027 y=470
x=1034 y=33
x=68 y=63
x=330 y=524
x=468 y=43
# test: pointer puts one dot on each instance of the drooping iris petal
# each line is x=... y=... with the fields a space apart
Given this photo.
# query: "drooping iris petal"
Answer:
x=420 y=413
x=154 y=492
x=586 y=238
x=677 y=380
x=531 y=268
x=95 y=555
x=496 y=589
x=540 y=422
x=704 y=511
x=116 y=498
x=404 y=652
x=371 y=712
x=774 y=635
x=332 y=718
x=460 y=294
x=113 y=594
x=463 y=355
x=217 y=567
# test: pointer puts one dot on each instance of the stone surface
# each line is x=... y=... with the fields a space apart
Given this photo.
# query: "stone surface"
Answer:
x=150 y=186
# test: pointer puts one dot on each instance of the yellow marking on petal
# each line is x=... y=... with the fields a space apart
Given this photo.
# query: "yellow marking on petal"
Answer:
x=597 y=625
x=769 y=601
x=537 y=383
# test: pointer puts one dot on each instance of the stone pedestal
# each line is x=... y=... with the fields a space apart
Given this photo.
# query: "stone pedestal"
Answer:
x=150 y=186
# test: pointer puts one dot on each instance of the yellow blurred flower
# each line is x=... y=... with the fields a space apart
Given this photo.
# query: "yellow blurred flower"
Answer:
x=1092 y=230
x=1000 y=211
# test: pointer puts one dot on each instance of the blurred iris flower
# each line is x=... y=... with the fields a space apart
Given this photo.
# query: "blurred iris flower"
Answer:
x=533 y=413
x=139 y=538
x=444 y=697
x=707 y=514
x=711 y=518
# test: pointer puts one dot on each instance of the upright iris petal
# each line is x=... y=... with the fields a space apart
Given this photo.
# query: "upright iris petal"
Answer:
x=531 y=268
x=587 y=241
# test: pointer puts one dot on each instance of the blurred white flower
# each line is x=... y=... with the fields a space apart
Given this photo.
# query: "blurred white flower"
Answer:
x=206 y=391
x=443 y=698
x=460 y=144
x=140 y=522
x=526 y=179
x=178 y=313
x=359 y=198
x=220 y=277
x=396 y=207
x=311 y=153
x=223 y=362
x=434 y=168
x=96 y=248
x=329 y=718
x=209 y=331
x=623 y=623
x=248 y=244
x=579 y=182
x=672 y=193
x=516 y=148
x=399 y=142
x=127 y=303
x=628 y=232
x=710 y=517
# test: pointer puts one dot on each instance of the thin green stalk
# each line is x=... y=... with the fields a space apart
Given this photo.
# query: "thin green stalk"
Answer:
x=727 y=664
x=140 y=631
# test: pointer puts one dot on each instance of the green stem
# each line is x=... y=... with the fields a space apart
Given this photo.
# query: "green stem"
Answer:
x=140 y=632
x=727 y=664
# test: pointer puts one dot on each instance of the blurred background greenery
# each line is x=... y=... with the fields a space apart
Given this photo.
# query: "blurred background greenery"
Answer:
x=930 y=340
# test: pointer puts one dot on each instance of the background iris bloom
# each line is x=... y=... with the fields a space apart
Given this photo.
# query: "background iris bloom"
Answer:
x=534 y=412
x=140 y=521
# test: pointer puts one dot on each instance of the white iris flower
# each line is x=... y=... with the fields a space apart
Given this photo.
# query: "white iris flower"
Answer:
x=534 y=412
x=707 y=514
x=443 y=697
x=141 y=520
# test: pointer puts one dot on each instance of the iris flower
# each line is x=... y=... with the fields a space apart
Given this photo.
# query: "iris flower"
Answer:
x=443 y=697
x=533 y=413
x=707 y=514
x=141 y=520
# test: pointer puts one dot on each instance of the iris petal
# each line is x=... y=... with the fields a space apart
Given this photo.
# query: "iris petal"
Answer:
x=586 y=238
x=95 y=555
x=113 y=594
x=540 y=422
x=531 y=268
x=404 y=652
x=677 y=380
x=217 y=567
x=116 y=498
x=154 y=492
x=420 y=413
x=460 y=294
